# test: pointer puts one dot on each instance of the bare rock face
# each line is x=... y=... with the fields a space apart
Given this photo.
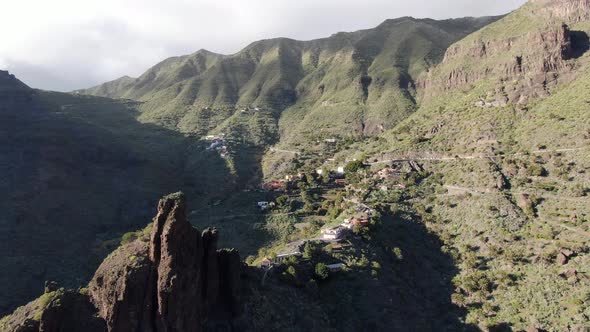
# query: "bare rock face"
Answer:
x=569 y=10
x=527 y=74
x=56 y=311
x=181 y=286
x=71 y=311
x=561 y=259
x=175 y=280
x=524 y=66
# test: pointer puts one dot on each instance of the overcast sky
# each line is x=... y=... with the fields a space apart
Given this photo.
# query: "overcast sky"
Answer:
x=70 y=44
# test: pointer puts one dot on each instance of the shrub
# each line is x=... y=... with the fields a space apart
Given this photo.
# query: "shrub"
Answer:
x=128 y=237
x=282 y=200
x=322 y=271
x=291 y=271
x=477 y=281
x=536 y=170
x=250 y=259
x=309 y=250
x=354 y=166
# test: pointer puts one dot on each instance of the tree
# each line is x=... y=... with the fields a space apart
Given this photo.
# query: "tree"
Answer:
x=308 y=250
x=302 y=185
x=282 y=200
x=536 y=170
x=312 y=182
x=291 y=270
x=354 y=166
x=322 y=271
x=339 y=199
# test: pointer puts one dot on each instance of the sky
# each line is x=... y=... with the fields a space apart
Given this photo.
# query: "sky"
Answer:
x=64 y=45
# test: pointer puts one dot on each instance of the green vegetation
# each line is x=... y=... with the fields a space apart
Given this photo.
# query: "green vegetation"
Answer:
x=483 y=194
x=354 y=166
x=321 y=271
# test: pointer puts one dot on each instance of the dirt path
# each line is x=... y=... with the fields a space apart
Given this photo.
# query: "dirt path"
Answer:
x=244 y=215
x=472 y=157
x=285 y=151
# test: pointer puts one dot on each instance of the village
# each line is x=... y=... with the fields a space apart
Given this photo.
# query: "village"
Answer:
x=343 y=218
x=326 y=207
x=218 y=143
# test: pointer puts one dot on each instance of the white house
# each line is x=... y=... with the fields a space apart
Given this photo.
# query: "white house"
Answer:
x=347 y=224
x=340 y=170
x=320 y=171
x=335 y=267
x=263 y=205
x=332 y=234
x=281 y=257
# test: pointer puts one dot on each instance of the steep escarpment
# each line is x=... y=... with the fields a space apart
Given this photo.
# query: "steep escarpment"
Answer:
x=568 y=10
x=175 y=280
x=523 y=56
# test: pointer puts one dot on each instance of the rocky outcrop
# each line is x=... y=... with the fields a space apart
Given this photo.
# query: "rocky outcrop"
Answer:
x=564 y=256
x=180 y=285
x=56 y=311
x=524 y=66
x=175 y=280
x=568 y=10
x=522 y=72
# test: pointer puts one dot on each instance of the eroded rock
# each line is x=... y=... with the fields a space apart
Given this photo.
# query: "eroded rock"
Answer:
x=175 y=280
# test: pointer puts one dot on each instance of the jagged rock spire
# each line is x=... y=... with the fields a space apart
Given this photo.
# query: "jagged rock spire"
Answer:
x=181 y=286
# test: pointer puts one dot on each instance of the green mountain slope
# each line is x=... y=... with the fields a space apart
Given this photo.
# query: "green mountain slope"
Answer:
x=503 y=130
x=366 y=77
x=486 y=228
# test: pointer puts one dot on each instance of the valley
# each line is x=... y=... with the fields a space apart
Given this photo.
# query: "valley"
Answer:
x=419 y=176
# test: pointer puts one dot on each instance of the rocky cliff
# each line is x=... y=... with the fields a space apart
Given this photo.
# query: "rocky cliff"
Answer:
x=569 y=10
x=525 y=60
x=173 y=280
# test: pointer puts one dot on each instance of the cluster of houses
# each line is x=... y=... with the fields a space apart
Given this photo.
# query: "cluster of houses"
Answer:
x=281 y=185
x=267 y=263
x=264 y=205
x=278 y=185
x=218 y=143
x=391 y=177
x=247 y=109
x=339 y=232
x=339 y=173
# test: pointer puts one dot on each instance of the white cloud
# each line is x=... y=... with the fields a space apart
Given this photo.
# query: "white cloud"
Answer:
x=68 y=44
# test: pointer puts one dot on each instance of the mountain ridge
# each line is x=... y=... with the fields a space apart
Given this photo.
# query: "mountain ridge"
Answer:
x=282 y=73
x=475 y=184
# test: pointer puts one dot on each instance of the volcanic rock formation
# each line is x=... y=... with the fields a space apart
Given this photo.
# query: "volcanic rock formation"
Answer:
x=176 y=280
